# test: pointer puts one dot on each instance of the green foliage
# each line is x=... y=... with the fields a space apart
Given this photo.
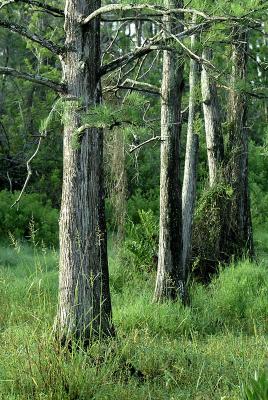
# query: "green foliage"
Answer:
x=34 y=218
x=257 y=388
x=147 y=201
x=107 y=115
x=258 y=162
x=209 y=222
x=238 y=299
x=208 y=197
x=56 y=111
x=140 y=246
x=162 y=351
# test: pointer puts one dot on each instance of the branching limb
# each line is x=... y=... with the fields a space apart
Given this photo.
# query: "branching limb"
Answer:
x=57 y=12
x=29 y=170
x=191 y=54
x=158 y=11
x=113 y=40
x=147 y=87
x=130 y=84
x=23 y=31
x=114 y=124
x=57 y=87
x=153 y=44
x=9 y=181
x=138 y=146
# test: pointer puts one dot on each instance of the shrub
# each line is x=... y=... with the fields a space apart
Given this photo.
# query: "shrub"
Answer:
x=34 y=218
x=140 y=247
x=148 y=202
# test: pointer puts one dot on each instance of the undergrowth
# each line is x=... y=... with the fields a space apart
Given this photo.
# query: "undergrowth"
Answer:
x=210 y=350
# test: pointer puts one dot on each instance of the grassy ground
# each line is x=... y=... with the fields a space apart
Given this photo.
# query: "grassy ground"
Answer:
x=161 y=351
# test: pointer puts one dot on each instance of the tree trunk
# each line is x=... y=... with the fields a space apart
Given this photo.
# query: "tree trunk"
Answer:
x=84 y=296
x=239 y=226
x=214 y=138
x=190 y=166
x=170 y=276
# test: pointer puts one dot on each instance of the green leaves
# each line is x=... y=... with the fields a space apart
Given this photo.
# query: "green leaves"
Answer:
x=110 y=115
x=257 y=388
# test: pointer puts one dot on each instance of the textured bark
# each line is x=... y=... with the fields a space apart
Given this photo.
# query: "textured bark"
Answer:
x=190 y=166
x=170 y=276
x=84 y=297
x=239 y=227
x=214 y=137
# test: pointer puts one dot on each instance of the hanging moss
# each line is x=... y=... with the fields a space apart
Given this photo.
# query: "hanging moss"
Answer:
x=209 y=231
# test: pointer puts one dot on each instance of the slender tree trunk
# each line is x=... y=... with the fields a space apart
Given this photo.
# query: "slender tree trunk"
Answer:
x=170 y=276
x=214 y=138
x=190 y=166
x=84 y=297
x=239 y=226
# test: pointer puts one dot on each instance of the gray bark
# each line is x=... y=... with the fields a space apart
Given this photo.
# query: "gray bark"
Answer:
x=239 y=226
x=214 y=138
x=170 y=279
x=84 y=298
x=190 y=166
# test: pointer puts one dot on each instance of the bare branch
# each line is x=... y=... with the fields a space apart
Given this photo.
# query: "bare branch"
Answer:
x=56 y=86
x=57 y=12
x=153 y=139
x=113 y=40
x=156 y=9
x=154 y=44
x=191 y=54
x=130 y=88
x=29 y=171
x=9 y=181
x=23 y=31
x=143 y=86
x=128 y=19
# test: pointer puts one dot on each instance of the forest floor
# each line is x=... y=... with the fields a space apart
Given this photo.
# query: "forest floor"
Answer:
x=206 y=351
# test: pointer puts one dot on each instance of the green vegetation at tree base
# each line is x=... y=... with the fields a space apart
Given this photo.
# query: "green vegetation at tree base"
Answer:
x=210 y=350
x=33 y=219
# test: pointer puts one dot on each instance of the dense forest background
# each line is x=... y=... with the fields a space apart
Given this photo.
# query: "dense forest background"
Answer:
x=132 y=178
x=211 y=344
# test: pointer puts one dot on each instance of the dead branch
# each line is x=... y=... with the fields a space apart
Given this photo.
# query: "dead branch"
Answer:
x=29 y=171
x=57 y=12
x=157 y=43
x=153 y=139
x=23 y=31
x=56 y=86
x=158 y=11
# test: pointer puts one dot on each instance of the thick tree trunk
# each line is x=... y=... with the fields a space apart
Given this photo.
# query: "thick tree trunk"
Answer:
x=190 y=166
x=214 y=138
x=239 y=226
x=170 y=276
x=84 y=297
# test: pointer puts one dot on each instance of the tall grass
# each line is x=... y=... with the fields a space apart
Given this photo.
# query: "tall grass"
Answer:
x=165 y=351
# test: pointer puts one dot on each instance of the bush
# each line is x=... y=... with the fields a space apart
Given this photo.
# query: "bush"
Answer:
x=34 y=218
x=140 y=247
x=148 y=202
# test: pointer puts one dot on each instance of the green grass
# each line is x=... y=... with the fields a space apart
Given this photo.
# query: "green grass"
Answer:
x=201 y=352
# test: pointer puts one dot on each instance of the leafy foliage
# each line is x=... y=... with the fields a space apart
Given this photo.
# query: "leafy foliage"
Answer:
x=34 y=217
x=257 y=388
x=140 y=247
